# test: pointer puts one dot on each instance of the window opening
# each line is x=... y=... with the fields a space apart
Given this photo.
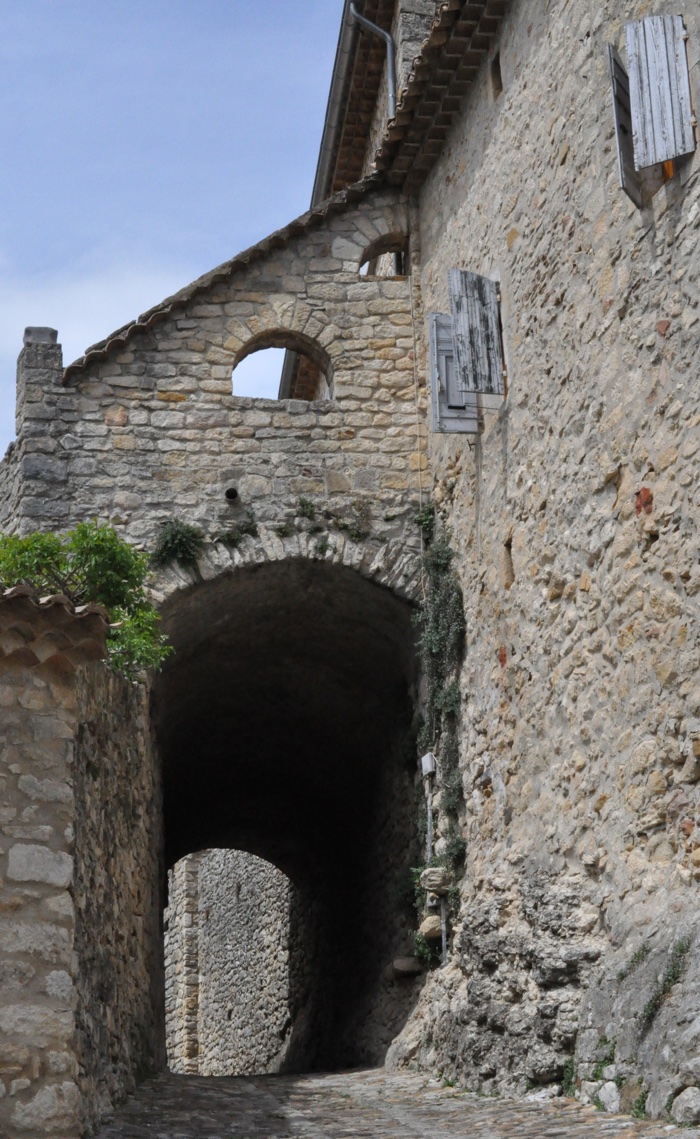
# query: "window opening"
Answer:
x=279 y=373
x=258 y=375
x=387 y=257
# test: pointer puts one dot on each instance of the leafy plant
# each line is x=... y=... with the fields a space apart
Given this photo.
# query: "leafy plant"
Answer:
x=672 y=973
x=639 y=1107
x=635 y=960
x=428 y=953
x=608 y=1056
x=425 y=521
x=285 y=529
x=568 y=1082
x=93 y=563
x=177 y=541
x=306 y=509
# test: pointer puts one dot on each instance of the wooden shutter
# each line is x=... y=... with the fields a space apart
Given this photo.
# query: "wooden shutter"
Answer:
x=477 y=336
x=453 y=408
x=659 y=87
x=630 y=180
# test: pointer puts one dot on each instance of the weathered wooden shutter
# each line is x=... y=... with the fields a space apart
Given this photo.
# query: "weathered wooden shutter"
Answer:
x=659 y=87
x=477 y=336
x=630 y=180
x=453 y=409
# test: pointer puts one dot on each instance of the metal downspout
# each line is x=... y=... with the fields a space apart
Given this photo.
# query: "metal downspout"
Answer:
x=390 y=54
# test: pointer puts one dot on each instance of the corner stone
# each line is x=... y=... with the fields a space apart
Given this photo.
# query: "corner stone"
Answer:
x=38 y=864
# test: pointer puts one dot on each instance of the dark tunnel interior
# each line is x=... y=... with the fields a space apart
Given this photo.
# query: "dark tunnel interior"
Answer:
x=283 y=721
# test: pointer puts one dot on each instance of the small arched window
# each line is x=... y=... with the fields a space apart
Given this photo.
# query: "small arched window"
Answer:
x=281 y=365
x=386 y=257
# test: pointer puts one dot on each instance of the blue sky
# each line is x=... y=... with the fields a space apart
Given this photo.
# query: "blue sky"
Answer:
x=142 y=144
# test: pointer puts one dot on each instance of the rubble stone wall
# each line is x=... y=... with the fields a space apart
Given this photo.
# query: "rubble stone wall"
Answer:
x=228 y=977
x=39 y=1093
x=574 y=520
x=79 y=850
x=116 y=891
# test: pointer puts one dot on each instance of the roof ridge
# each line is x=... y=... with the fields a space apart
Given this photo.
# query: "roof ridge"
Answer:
x=276 y=240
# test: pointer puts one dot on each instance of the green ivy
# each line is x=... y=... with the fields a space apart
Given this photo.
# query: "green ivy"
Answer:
x=441 y=629
x=92 y=563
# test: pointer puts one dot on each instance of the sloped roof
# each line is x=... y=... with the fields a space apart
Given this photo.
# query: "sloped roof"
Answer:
x=50 y=630
x=277 y=240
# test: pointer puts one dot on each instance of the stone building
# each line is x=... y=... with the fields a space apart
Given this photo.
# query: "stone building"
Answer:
x=281 y=726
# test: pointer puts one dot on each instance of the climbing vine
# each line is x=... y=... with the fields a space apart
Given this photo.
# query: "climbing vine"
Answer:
x=92 y=563
x=441 y=629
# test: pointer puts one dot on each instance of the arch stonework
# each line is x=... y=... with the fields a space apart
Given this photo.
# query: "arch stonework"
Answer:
x=144 y=427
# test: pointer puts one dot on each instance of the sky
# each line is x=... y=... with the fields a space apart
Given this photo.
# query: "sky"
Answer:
x=143 y=143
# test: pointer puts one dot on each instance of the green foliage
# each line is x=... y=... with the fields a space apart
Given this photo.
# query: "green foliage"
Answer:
x=441 y=629
x=639 y=1107
x=92 y=563
x=177 y=541
x=635 y=960
x=568 y=1082
x=306 y=509
x=607 y=1057
x=358 y=526
x=285 y=529
x=246 y=528
x=672 y=974
x=321 y=547
x=425 y=521
x=429 y=953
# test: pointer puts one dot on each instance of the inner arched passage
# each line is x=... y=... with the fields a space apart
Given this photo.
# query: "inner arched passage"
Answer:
x=284 y=722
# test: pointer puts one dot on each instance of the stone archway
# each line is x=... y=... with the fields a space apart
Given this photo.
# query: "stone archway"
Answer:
x=283 y=721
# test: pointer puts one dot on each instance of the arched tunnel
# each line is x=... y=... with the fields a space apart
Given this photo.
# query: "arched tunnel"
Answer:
x=283 y=720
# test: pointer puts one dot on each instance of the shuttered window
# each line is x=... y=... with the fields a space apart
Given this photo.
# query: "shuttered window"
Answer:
x=478 y=346
x=659 y=90
x=453 y=409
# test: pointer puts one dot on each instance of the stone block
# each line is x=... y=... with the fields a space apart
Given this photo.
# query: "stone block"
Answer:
x=685 y=1108
x=30 y=863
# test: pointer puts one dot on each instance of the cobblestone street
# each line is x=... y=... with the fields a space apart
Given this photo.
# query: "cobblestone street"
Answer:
x=349 y=1105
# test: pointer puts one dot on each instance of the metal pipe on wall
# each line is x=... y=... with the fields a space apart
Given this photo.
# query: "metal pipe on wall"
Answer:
x=390 y=54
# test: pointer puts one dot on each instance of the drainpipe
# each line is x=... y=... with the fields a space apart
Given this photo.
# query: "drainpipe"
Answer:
x=390 y=54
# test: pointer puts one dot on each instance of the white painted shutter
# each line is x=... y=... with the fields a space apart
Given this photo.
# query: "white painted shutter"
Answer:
x=453 y=409
x=659 y=85
x=477 y=336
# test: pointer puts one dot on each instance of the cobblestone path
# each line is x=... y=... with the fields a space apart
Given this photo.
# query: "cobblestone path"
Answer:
x=353 y=1105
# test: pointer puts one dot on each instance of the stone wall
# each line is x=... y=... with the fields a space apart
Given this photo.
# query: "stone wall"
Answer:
x=573 y=517
x=39 y=1093
x=116 y=891
x=228 y=976
x=181 y=953
x=147 y=428
x=77 y=1000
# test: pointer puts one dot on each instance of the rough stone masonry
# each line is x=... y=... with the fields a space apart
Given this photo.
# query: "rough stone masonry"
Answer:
x=574 y=954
